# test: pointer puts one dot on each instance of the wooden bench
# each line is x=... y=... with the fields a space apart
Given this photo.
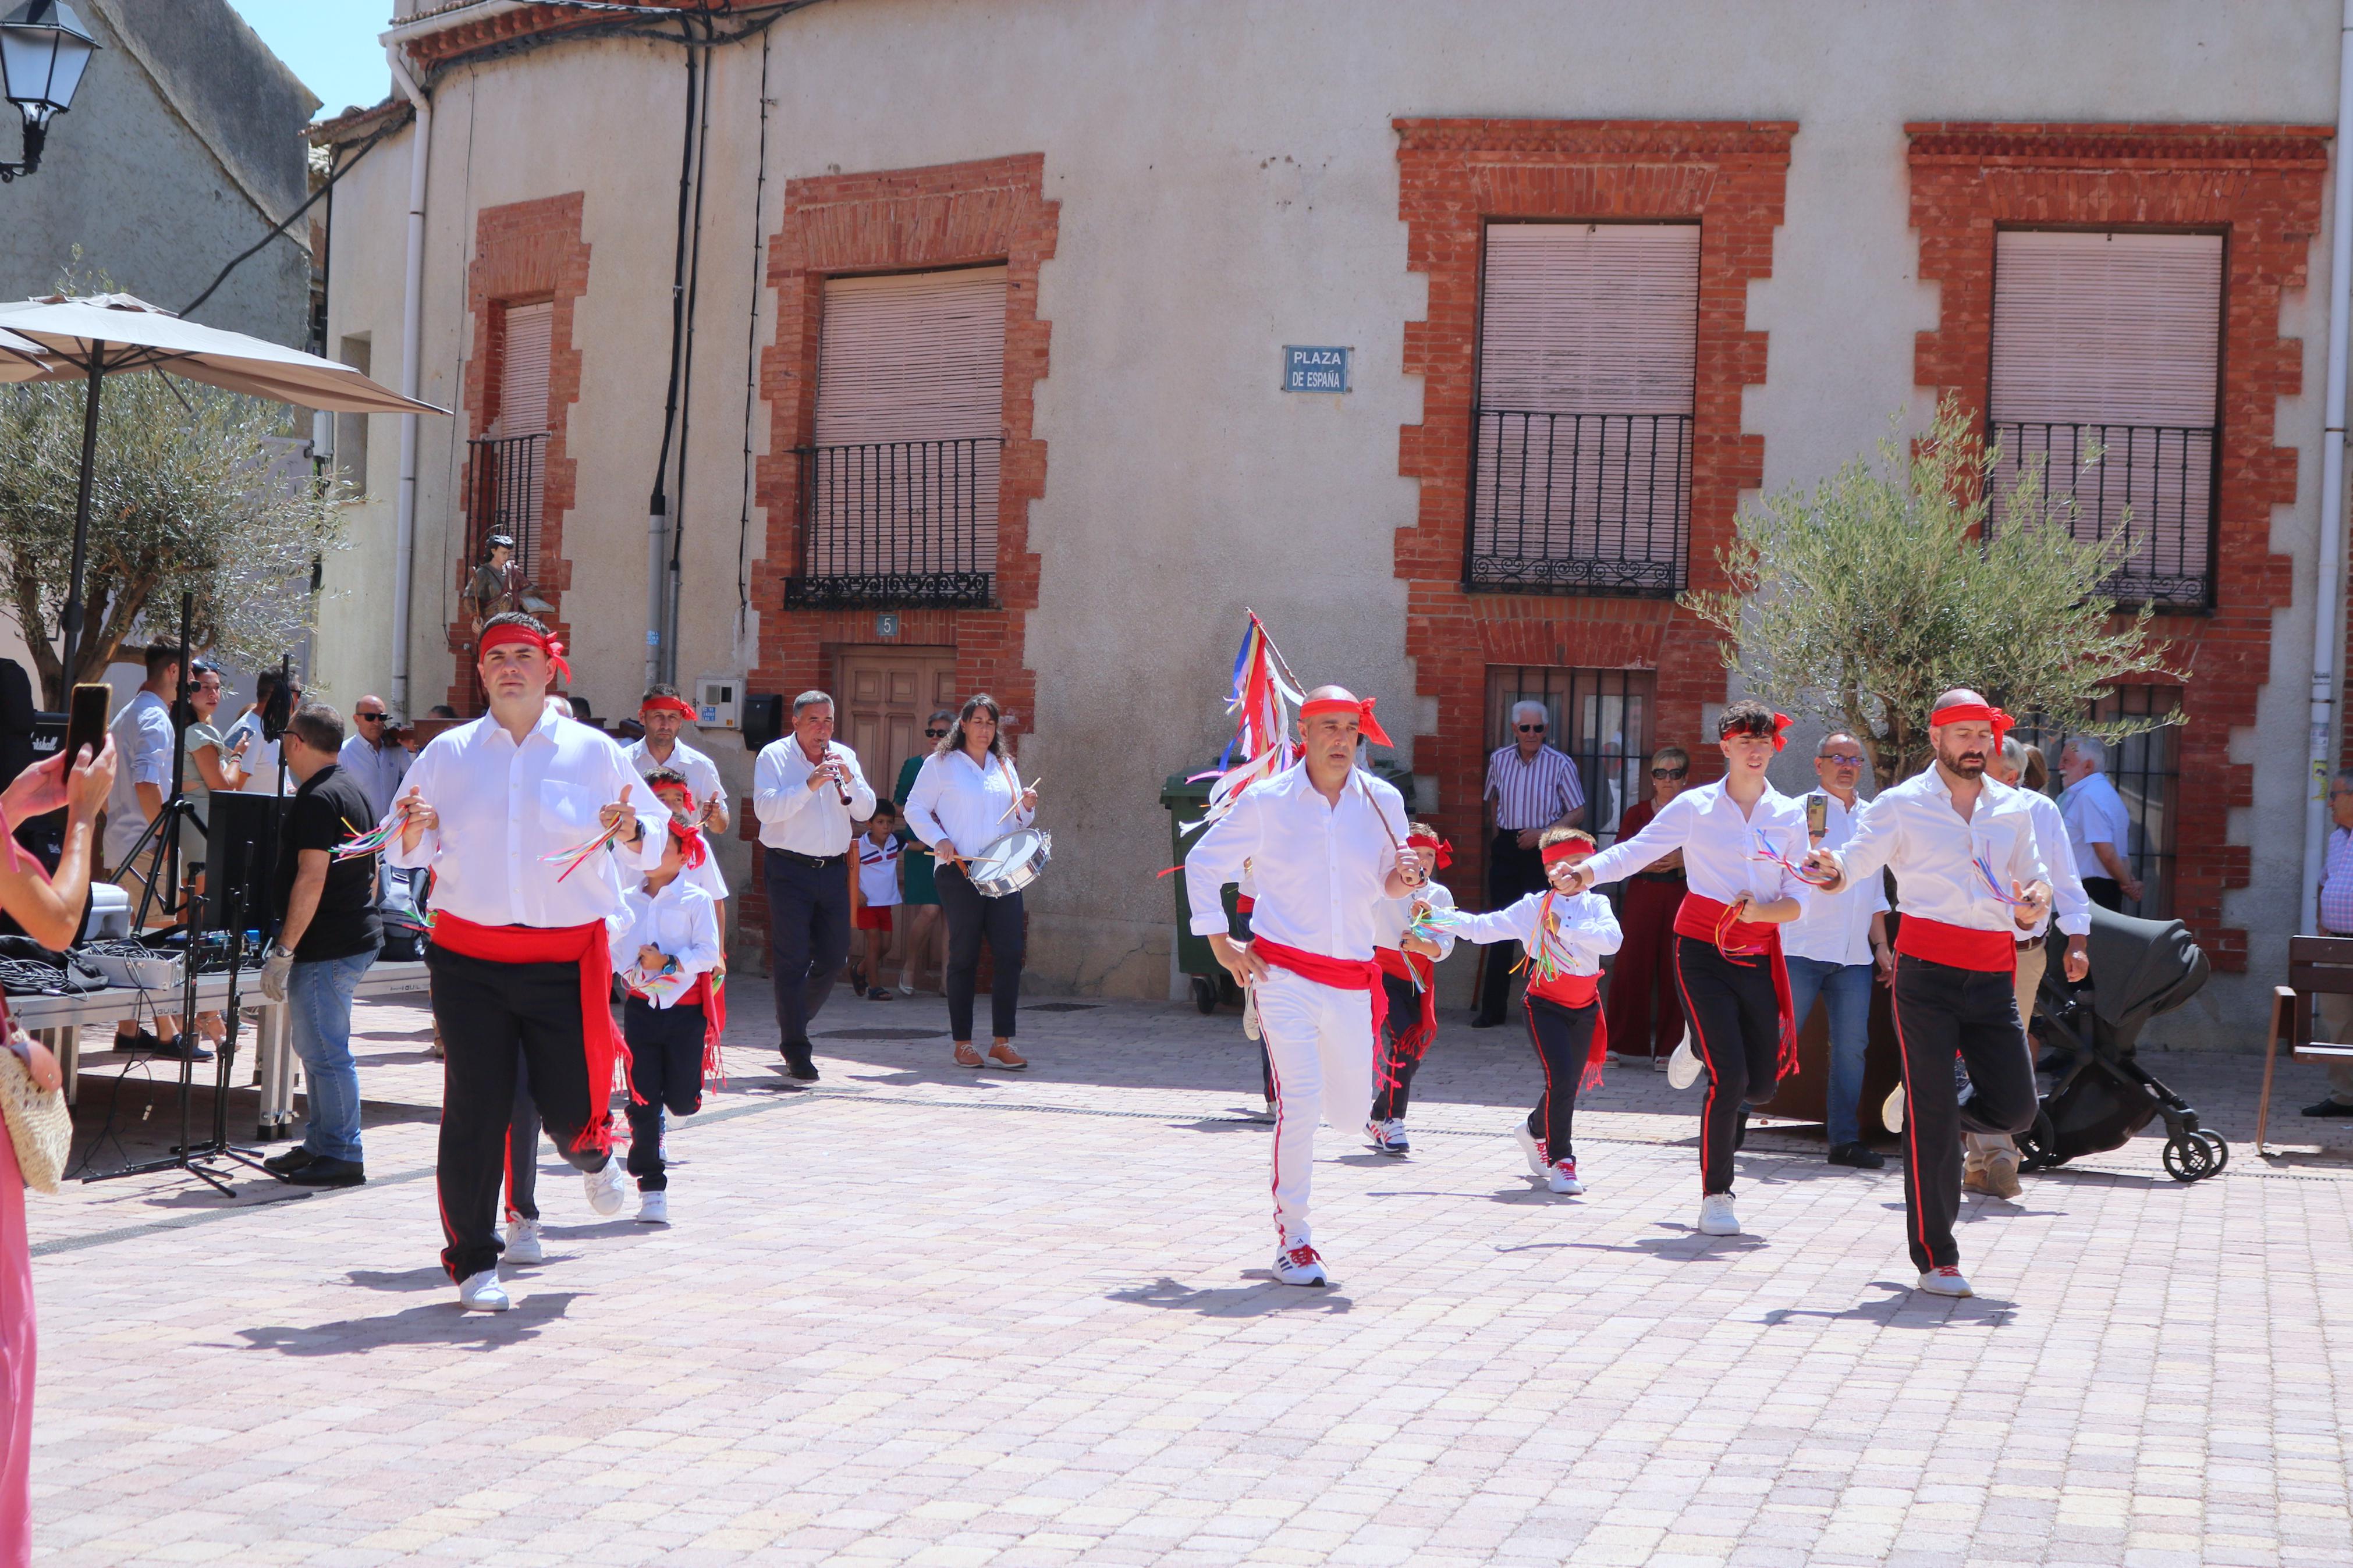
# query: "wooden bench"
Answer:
x=2317 y=966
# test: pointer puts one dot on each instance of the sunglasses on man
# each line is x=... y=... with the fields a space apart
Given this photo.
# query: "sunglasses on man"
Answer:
x=1530 y=729
x=369 y=718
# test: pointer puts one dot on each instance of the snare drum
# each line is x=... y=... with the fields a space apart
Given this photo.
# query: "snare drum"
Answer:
x=1011 y=863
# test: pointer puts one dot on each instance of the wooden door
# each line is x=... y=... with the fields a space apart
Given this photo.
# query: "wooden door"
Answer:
x=884 y=696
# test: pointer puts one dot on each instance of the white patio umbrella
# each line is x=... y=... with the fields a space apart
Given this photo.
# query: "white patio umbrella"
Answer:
x=64 y=337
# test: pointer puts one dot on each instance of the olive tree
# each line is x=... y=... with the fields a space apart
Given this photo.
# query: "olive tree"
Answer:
x=1859 y=600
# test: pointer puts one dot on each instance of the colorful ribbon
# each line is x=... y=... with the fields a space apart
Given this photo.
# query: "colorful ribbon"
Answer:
x=578 y=855
x=371 y=842
x=1992 y=884
x=1766 y=852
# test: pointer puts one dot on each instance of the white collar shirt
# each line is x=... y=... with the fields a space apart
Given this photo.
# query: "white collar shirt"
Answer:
x=702 y=773
x=1836 y=927
x=2068 y=903
x=1319 y=871
x=680 y=922
x=1913 y=829
x=957 y=801
x=803 y=820
x=1583 y=930
x=503 y=807
x=1394 y=914
x=1719 y=845
x=142 y=756
x=377 y=770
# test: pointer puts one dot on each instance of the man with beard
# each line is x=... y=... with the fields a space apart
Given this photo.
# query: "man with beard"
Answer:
x=1969 y=878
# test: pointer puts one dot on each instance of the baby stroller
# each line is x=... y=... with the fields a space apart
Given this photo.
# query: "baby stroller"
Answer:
x=2101 y=1095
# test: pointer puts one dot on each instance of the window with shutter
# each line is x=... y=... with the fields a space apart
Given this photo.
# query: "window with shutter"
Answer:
x=510 y=460
x=899 y=489
x=1587 y=345
x=2106 y=355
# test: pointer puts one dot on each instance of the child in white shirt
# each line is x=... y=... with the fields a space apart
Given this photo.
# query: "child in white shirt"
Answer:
x=873 y=896
x=1410 y=975
x=669 y=1020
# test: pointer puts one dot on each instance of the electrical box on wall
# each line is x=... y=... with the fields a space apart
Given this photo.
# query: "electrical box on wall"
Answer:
x=719 y=702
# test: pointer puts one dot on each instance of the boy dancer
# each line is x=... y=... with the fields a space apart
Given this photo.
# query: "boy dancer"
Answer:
x=669 y=1018
x=870 y=914
x=1409 y=975
x=1567 y=935
x=1741 y=840
x=1324 y=842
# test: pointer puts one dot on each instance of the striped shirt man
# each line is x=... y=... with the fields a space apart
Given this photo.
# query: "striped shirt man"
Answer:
x=2337 y=884
x=1531 y=792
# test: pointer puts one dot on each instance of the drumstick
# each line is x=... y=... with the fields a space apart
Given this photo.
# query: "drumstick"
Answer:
x=1015 y=805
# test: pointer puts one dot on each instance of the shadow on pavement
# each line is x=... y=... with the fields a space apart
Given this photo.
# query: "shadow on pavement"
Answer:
x=434 y=1324
x=429 y=1278
x=1240 y=1301
x=1909 y=1309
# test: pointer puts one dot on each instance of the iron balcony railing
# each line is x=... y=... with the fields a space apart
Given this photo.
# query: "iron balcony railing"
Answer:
x=2157 y=481
x=889 y=523
x=507 y=479
x=1579 y=503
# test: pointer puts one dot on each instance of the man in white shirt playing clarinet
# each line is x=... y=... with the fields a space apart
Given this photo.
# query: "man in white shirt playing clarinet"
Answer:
x=1324 y=843
x=523 y=933
x=1969 y=880
x=809 y=795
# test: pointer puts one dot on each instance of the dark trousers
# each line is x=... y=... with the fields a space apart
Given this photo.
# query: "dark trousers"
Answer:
x=489 y=1014
x=666 y=1072
x=1561 y=1036
x=2106 y=892
x=973 y=920
x=1393 y=1074
x=1646 y=1012
x=1941 y=1010
x=522 y=1148
x=808 y=938
x=1512 y=872
x=1735 y=1028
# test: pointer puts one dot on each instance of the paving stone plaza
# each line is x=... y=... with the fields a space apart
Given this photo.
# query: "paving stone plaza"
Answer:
x=917 y=1315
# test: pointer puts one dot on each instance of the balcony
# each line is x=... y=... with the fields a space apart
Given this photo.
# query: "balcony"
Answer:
x=1579 y=503
x=506 y=476
x=2155 y=480
x=898 y=524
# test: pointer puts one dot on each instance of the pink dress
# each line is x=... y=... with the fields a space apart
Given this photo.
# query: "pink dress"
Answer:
x=17 y=1345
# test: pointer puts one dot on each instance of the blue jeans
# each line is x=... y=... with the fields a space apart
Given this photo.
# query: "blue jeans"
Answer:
x=1845 y=990
x=319 y=1005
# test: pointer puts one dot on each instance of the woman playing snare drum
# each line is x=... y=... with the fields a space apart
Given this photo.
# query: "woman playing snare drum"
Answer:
x=966 y=797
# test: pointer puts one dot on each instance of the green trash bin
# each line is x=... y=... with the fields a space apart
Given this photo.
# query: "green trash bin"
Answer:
x=1186 y=799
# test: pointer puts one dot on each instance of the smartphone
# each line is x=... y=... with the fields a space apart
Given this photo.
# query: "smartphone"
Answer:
x=86 y=719
x=1817 y=814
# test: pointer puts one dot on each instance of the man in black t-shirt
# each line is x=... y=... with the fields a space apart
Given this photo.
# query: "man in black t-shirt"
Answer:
x=328 y=933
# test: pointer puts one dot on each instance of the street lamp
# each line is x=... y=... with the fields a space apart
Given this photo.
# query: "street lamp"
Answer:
x=44 y=48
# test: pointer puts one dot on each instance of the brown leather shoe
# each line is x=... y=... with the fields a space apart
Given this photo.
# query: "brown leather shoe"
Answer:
x=1005 y=1056
x=967 y=1056
x=1977 y=1181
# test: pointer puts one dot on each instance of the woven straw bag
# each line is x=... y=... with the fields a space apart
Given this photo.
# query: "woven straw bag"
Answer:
x=39 y=1125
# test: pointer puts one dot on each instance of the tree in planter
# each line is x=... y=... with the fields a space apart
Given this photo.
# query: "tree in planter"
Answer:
x=1862 y=600
x=185 y=497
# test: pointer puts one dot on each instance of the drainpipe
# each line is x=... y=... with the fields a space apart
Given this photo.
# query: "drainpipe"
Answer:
x=412 y=334
x=2328 y=612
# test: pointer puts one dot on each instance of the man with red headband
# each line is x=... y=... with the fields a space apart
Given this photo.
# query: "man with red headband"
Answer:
x=1409 y=960
x=1741 y=840
x=665 y=713
x=528 y=822
x=672 y=1018
x=1969 y=877
x=1324 y=843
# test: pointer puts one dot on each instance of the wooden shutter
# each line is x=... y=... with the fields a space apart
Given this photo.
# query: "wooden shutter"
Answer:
x=2112 y=342
x=910 y=424
x=1588 y=353
x=522 y=417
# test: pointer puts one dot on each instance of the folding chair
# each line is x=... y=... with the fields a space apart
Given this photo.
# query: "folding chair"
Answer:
x=2317 y=966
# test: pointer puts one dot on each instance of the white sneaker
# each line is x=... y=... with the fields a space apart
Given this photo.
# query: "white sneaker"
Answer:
x=653 y=1208
x=1300 y=1265
x=1388 y=1136
x=482 y=1293
x=1892 y=1113
x=1682 y=1067
x=1716 y=1215
x=1945 y=1281
x=1564 y=1178
x=1250 y=1013
x=523 y=1242
x=606 y=1187
x=1533 y=1149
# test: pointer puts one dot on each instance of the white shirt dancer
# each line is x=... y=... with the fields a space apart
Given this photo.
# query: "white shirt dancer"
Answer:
x=1324 y=843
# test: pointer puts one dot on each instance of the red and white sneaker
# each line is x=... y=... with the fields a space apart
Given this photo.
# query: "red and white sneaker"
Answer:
x=1563 y=1178
x=1300 y=1265
x=1532 y=1147
x=1945 y=1281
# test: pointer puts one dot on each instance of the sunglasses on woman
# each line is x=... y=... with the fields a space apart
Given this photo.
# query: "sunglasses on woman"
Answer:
x=1669 y=772
x=934 y=734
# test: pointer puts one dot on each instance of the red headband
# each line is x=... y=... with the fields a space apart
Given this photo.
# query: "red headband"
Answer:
x=1561 y=850
x=1961 y=711
x=1781 y=722
x=499 y=637
x=681 y=789
x=1366 y=723
x=678 y=705
x=690 y=840
x=1432 y=841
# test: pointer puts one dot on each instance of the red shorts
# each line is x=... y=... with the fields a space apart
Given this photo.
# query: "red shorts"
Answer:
x=873 y=917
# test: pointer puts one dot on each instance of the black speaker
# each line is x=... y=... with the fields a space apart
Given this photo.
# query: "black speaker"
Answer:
x=764 y=718
x=240 y=860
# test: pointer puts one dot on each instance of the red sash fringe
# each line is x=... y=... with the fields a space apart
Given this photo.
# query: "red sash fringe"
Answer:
x=585 y=946
x=1744 y=942
x=1413 y=1041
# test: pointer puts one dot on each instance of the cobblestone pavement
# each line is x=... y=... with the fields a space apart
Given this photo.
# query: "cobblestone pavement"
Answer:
x=924 y=1316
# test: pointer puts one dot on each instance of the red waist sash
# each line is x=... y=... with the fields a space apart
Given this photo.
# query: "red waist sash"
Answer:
x=1960 y=947
x=1414 y=1039
x=1745 y=942
x=585 y=946
x=1578 y=991
x=706 y=995
x=1340 y=973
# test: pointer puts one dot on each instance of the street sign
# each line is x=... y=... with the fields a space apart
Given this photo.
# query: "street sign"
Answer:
x=886 y=624
x=1307 y=368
